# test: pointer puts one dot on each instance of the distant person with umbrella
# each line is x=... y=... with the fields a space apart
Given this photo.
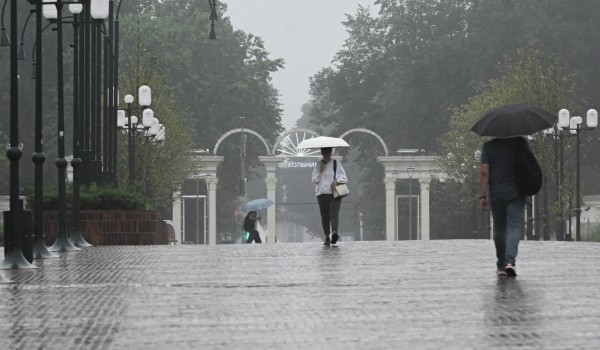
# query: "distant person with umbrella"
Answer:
x=497 y=174
x=250 y=227
x=326 y=179
x=252 y=209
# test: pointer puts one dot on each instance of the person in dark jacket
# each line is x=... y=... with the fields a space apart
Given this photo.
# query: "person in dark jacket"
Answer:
x=250 y=227
x=497 y=173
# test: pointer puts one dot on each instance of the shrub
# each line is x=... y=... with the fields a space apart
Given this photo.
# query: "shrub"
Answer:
x=97 y=198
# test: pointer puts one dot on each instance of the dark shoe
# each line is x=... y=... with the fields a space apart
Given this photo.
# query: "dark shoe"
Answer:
x=510 y=270
x=334 y=238
x=501 y=272
x=327 y=241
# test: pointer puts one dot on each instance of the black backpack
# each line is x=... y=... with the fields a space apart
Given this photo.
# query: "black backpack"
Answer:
x=528 y=170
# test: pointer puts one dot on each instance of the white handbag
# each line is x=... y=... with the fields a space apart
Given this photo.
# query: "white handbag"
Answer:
x=341 y=190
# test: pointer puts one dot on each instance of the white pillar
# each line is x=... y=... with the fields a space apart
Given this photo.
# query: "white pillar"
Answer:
x=271 y=213
x=390 y=208
x=207 y=169
x=177 y=216
x=425 y=208
x=271 y=163
x=211 y=182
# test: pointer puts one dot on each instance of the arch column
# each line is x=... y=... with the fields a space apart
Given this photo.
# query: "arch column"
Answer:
x=425 y=235
x=395 y=167
x=208 y=172
x=390 y=207
x=211 y=183
x=177 y=216
x=270 y=163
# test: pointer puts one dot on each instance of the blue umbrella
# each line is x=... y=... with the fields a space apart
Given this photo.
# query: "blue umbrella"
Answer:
x=257 y=204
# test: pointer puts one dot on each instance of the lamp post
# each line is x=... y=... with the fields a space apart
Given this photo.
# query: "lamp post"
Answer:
x=76 y=235
x=99 y=11
x=557 y=134
x=242 y=191
x=574 y=125
x=40 y=251
x=13 y=254
x=63 y=243
x=130 y=123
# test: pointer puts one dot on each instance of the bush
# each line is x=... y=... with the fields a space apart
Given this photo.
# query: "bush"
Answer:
x=97 y=198
x=592 y=234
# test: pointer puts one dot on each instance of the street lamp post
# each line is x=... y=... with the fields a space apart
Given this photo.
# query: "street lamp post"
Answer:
x=130 y=123
x=574 y=124
x=76 y=235
x=242 y=191
x=557 y=134
x=40 y=251
x=63 y=243
x=14 y=258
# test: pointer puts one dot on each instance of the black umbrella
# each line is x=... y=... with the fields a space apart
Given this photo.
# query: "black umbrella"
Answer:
x=513 y=120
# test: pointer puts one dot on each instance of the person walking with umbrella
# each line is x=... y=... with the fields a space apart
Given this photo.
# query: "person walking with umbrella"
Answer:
x=498 y=175
x=252 y=209
x=250 y=227
x=326 y=175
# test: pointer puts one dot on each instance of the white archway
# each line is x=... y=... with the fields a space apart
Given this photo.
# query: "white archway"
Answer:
x=426 y=167
x=367 y=131
x=240 y=130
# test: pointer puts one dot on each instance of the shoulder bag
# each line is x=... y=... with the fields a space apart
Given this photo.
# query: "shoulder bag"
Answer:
x=341 y=190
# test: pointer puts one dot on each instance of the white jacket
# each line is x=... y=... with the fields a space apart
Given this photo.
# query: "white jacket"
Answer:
x=324 y=179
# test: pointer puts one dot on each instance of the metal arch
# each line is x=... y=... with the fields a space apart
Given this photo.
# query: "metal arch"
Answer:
x=371 y=132
x=233 y=131
x=287 y=133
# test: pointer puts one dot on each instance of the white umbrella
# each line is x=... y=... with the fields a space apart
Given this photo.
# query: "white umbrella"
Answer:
x=322 y=142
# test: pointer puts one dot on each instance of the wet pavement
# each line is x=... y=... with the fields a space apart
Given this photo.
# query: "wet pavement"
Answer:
x=359 y=295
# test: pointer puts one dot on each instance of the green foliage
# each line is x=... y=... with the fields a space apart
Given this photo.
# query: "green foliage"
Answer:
x=592 y=233
x=98 y=198
x=530 y=80
x=213 y=81
x=160 y=167
x=406 y=72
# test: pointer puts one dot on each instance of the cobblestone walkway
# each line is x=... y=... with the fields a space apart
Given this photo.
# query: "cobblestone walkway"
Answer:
x=360 y=295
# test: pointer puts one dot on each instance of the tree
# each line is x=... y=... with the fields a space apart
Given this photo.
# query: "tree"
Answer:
x=160 y=167
x=403 y=73
x=531 y=80
x=217 y=81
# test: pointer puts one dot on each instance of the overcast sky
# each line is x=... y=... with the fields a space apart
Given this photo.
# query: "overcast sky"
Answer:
x=306 y=34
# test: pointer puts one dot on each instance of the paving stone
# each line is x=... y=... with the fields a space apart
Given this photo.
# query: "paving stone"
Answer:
x=359 y=295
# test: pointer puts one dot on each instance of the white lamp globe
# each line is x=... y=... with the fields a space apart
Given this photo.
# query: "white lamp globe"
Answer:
x=148 y=118
x=99 y=9
x=564 y=118
x=121 y=118
x=128 y=99
x=49 y=11
x=145 y=96
x=592 y=118
x=75 y=8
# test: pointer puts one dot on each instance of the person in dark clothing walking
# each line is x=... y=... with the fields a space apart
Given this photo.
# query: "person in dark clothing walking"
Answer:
x=250 y=227
x=497 y=172
x=323 y=178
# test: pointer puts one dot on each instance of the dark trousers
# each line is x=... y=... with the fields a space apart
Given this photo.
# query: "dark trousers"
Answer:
x=254 y=236
x=330 y=209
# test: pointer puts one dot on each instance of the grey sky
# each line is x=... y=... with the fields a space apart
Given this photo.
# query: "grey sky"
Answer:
x=306 y=34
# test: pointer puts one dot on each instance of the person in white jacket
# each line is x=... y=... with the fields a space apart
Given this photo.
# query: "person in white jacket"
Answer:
x=323 y=178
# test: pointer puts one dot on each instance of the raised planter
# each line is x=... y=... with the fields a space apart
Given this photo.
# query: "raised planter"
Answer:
x=112 y=227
